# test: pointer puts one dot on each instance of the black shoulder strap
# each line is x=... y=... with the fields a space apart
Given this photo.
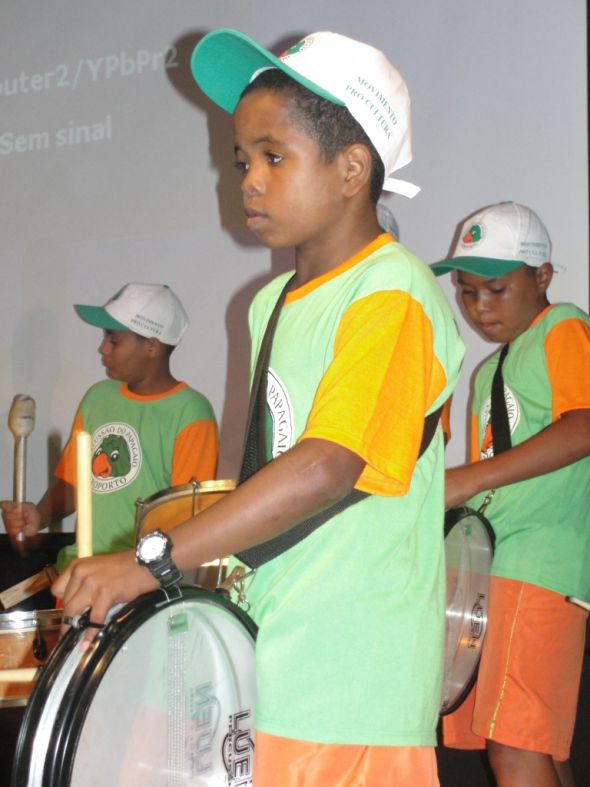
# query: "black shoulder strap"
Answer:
x=498 y=410
x=254 y=456
x=255 y=453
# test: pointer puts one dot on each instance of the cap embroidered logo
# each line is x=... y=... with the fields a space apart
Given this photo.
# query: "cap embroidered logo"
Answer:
x=474 y=235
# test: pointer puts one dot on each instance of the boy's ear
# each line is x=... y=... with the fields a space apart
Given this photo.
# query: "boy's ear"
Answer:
x=358 y=166
x=544 y=275
x=154 y=345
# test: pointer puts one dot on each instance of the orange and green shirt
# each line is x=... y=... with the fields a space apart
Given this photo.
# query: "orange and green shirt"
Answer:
x=542 y=525
x=351 y=619
x=140 y=445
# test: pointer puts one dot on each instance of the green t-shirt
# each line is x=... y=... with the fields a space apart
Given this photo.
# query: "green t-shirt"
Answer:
x=351 y=619
x=542 y=525
x=140 y=445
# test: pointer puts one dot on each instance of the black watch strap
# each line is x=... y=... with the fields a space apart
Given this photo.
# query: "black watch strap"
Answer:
x=165 y=571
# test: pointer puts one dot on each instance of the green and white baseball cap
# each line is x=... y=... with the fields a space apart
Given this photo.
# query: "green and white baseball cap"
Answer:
x=332 y=66
x=150 y=310
x=497 y=240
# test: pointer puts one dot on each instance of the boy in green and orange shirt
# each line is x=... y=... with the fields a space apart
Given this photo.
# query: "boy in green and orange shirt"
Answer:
x=149 y=431
x=351 y=618
x=526 y=694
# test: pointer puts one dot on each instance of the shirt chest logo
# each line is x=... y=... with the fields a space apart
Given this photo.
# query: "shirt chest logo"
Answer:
x=116 y=457
x=281 y=412
x=513 y=409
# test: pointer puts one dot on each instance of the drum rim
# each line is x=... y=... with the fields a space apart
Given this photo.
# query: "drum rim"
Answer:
x=19 y=619
x=197 y=487
x=455 y=514
x=34 y=709
x=452 y=517
x=74 y=705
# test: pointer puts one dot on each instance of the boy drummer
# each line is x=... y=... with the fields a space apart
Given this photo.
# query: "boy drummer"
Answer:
x=149 y=430
x=526 y=695
x=350 y=618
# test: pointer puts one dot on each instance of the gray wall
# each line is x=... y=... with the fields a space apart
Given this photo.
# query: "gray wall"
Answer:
x=499 y=101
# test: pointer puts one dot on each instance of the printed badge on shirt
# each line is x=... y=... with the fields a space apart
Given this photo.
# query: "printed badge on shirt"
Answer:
x=116 y=457
x=512 y=406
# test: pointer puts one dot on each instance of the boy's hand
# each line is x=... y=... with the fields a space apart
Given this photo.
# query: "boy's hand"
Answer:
x=22 y=522
x=97 y=584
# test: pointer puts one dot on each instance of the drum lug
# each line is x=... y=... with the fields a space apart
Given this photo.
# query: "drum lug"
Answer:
x=39 y=646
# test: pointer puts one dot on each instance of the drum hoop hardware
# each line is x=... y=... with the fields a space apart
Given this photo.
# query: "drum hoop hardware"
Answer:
x=235 y=581
x=486 y=501
x=172 y=593
x=82 y=621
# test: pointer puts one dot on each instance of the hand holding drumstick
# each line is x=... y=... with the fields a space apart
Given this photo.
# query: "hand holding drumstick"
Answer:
x=22 y=520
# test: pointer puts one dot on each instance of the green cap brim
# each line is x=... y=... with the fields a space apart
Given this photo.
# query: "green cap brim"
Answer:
x=99 y=317
x=489 y=267
x=224 y=62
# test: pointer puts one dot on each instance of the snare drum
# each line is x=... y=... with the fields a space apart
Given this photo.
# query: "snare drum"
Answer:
x=26 y=640
x=469 y=548
x=168 y=508
x=163 y=696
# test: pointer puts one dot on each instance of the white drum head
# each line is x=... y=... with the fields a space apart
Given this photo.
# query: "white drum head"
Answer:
x=469 y=550
x=164 y=696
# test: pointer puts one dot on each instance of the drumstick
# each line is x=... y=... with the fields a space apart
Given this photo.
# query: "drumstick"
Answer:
x=22 y=675
x=21 y=422
x=584 y=604
x=83 y=494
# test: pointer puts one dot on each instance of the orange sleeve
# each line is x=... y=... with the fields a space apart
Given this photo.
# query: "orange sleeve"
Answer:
x=66 y=467
x=445 y=419
x=195 y=453
x=375 y=393
x=567 y=349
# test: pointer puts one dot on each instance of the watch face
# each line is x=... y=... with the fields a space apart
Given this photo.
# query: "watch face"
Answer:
x=152 y=547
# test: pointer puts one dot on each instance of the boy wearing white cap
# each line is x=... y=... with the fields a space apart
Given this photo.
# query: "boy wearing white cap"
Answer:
x=524 y=705
x=148 y=430
x=351 y=617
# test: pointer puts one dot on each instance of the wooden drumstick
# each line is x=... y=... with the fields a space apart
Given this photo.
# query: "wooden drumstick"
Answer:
x=20 y=675
x=84 y=494
x=21 y=422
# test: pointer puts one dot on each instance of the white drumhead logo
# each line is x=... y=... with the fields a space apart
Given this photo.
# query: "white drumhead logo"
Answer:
x=281 y=412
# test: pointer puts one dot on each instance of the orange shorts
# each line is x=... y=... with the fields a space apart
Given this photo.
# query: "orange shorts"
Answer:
x=293 y=763
x=527 y=687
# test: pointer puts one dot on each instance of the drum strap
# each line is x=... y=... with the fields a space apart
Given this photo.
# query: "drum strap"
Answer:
x=498 y=411
x=255 y=455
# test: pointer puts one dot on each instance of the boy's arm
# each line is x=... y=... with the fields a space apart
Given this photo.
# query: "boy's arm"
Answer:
x=308 y=478
x=563 y=442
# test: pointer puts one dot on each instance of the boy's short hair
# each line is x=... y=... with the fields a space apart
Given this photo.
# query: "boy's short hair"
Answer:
x=330 y=125
x=341 y=70
x=149 y=310
x=497 y=240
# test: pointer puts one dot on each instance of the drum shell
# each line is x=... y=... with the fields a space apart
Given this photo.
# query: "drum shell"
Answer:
x=26 y=641
x=170 y=507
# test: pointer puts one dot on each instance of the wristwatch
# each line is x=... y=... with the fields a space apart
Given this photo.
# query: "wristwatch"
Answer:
x=153 y=552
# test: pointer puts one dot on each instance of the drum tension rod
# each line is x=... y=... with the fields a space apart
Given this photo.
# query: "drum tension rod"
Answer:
x=81 y=621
